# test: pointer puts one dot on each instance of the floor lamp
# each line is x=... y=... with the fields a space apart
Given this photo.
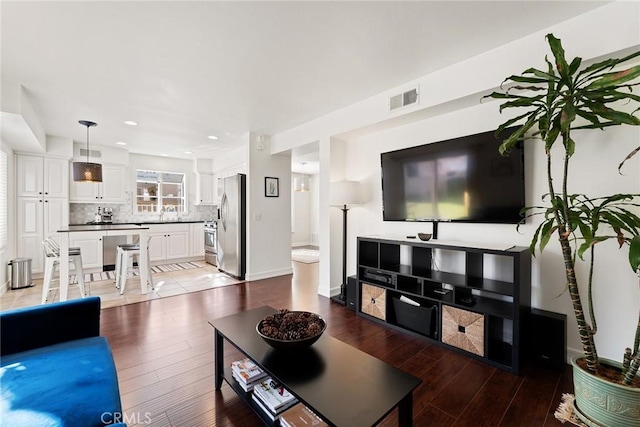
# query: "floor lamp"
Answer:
x=344 y=194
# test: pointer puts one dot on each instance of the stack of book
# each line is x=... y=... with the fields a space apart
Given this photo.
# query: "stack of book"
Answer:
x=272 y=398
x=247 y=374
x=300 y=416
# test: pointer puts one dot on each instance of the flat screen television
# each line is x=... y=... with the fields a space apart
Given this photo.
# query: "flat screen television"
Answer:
x=462 y=179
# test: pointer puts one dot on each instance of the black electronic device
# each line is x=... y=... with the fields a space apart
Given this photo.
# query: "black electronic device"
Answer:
x=545 y=338
x=463 y=179
x=351 y=292
x=378 y=276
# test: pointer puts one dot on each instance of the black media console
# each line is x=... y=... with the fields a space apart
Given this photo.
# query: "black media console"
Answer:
x=469 y=298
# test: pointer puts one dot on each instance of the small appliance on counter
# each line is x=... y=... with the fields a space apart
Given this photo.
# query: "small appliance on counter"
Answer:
x=103 y=216
x=107 y=215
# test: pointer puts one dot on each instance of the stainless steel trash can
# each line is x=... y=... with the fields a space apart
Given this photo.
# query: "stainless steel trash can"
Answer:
x=20 y=273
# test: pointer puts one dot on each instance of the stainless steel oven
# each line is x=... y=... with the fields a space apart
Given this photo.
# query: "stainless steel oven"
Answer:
x=210 y=252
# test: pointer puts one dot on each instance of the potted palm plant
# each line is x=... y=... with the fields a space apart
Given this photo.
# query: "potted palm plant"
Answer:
x=560 y=102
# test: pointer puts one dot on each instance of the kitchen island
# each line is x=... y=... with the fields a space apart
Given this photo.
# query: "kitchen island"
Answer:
x=66 y=235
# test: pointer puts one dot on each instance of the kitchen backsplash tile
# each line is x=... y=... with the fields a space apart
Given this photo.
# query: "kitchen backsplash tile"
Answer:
x=81 y=213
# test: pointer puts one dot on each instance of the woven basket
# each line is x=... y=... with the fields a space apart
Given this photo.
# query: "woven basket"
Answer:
x=374 y=301
x=463 y=329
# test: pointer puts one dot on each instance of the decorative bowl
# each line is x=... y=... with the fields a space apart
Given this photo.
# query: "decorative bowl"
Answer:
x=291 y=330
x=424 y=236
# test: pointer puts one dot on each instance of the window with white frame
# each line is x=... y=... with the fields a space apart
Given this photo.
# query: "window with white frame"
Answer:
x=158 y=191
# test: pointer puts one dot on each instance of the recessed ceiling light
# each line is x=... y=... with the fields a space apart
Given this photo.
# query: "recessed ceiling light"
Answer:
x=121 y=143
x=188 y=152
x=165 y=155
x=212 y=137
x=131 y=123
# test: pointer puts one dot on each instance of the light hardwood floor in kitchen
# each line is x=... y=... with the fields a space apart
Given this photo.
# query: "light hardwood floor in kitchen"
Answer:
x=166 y=284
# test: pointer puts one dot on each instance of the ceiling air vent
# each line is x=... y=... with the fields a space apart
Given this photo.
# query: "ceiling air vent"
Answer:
x=403 y=99
x=92 y=153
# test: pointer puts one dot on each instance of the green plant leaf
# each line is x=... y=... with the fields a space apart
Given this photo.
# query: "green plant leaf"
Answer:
x=558 y=53
x=545 y=234
x=618 y=117
x=613 y=79
x=634 y=253
x=630 y=155
x=593 y=118
x=569 y=146
x=593 y=70
x=521 y=101
x=552 y=136
x=522 y=79
x=508 y=123
x=567 y=116
x=506 y=146
x=545 y=76
x=575 y=64
x=609 y=95
x=587 y=245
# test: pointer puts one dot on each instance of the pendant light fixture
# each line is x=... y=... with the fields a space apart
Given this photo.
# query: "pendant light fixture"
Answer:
x=87 y=171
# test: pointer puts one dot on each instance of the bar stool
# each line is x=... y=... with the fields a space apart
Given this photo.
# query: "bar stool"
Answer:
x=124 y=257
x=52 y=252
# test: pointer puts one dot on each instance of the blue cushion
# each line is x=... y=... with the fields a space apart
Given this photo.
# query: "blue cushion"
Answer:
x=69 y=384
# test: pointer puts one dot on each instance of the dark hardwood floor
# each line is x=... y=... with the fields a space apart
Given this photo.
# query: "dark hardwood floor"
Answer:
x=164 y=355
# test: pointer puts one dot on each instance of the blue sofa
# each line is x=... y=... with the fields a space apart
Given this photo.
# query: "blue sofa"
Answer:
x=56 y=369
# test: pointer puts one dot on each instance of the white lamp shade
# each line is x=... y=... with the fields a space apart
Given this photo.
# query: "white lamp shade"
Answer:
x=345 y=193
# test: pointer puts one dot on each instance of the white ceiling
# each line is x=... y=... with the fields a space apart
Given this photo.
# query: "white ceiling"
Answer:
x=186 y=70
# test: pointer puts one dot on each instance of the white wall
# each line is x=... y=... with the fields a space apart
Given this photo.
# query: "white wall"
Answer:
x=268 y=218
x=449 y=106
x=8 y=252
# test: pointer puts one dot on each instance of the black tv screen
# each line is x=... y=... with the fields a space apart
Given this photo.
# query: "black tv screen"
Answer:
x=463 y=179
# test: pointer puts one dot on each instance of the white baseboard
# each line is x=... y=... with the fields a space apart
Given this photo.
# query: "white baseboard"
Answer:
x=299 y=244
x=268 y=274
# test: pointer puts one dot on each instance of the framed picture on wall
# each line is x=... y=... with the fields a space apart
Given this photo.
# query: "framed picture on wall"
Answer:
x=271 y=187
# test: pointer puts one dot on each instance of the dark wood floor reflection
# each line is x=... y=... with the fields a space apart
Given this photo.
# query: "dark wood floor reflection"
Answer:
x=164 y=355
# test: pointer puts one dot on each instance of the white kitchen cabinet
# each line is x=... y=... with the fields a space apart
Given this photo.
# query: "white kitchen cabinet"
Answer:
x=42 y=205
x=169 y=241
x=42 y=176
x=205 y=189
x=90 y=245
x=157 y=245
x=111 y=190
x=178 y=244
x=39 y=219
x=197 y=239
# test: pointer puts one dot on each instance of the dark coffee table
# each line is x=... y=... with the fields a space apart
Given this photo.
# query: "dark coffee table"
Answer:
x=342 y=384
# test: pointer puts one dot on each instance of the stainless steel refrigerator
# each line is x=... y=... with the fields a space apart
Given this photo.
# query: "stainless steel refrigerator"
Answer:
x=231 y=232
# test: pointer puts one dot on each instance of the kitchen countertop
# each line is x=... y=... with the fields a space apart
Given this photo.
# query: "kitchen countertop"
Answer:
x=102 y=227
x=138 y=223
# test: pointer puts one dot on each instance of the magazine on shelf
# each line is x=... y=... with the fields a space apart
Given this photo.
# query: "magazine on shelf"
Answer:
x=272 y=415
x=274 y=396
x=246 y=372
x=246 y=387
x=300 y=416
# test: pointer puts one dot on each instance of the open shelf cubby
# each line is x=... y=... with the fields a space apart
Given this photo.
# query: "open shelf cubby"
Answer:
x=417 y=280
